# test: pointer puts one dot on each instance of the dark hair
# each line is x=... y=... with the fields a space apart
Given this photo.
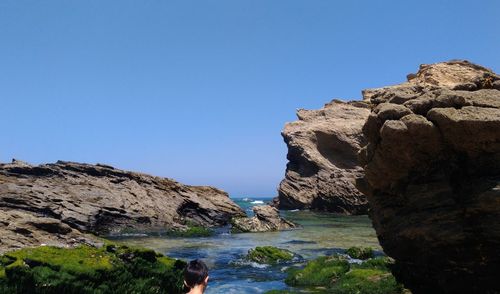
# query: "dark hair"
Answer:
x=195 y=273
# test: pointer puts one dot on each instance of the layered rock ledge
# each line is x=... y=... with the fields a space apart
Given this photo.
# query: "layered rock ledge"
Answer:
x=56 y=204
x=322 y=153
x=432 y=177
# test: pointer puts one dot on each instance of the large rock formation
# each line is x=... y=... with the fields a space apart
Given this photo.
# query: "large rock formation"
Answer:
x=266 y=218
x=56 y=203
x=432 y=177
x=322 y=153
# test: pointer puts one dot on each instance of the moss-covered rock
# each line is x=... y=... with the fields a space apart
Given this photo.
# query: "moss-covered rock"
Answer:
x=333 y=274
x=367 y=281
x=85 y=269
x=319 y=272
x=269 y=255
x=360 y=252
x=382 y=262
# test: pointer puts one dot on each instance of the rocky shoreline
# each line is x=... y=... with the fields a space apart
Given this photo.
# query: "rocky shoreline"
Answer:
x=63 y=203
x=425 y=154
x=429 y=165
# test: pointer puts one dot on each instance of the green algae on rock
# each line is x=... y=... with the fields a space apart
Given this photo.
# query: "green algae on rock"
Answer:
x=269 y=255
x=333 y=274
x=360 y=252
x=367 y=281
x=319 y=272
x=85 y=269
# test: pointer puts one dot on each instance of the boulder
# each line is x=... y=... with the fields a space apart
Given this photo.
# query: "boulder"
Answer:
x=432 y=177
x=322 y=153
x=266 y=218
x=58 y=203
x=334 y=274
x=269 y=255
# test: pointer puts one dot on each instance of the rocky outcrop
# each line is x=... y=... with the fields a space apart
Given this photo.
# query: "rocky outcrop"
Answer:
x=266 y=218
x=432 y=177
x=322 y=153
x=57 y=203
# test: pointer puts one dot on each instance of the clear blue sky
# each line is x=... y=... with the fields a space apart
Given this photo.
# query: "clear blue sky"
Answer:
x=200 y=90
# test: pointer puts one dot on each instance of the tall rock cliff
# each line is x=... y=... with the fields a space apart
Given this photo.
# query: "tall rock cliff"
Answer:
x=58 y=203
x=432 y=177
x=322 y=153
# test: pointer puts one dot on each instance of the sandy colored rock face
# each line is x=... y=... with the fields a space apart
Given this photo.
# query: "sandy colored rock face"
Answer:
x=322 y=153
x=82 y=198
x=266 y=219
x=432 y=177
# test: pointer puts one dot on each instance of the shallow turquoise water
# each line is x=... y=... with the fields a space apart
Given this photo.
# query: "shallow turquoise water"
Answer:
x=321 y=234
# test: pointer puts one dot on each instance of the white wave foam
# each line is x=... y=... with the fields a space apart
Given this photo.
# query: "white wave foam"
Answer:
x=243 y=262
x=258 y=265
x=257 y=202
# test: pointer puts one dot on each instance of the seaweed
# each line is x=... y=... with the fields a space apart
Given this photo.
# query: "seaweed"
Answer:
x=85 y=269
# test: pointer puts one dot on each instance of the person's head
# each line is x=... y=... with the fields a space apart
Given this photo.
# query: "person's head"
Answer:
x=196 y=274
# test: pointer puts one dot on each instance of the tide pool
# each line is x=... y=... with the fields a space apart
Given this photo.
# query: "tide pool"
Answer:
x=321 y=234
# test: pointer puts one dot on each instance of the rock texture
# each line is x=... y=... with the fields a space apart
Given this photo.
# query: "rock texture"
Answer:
x=432 y=177
x=56 y=203
x=22 y=228
x=322 y=153
x=266 y=218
